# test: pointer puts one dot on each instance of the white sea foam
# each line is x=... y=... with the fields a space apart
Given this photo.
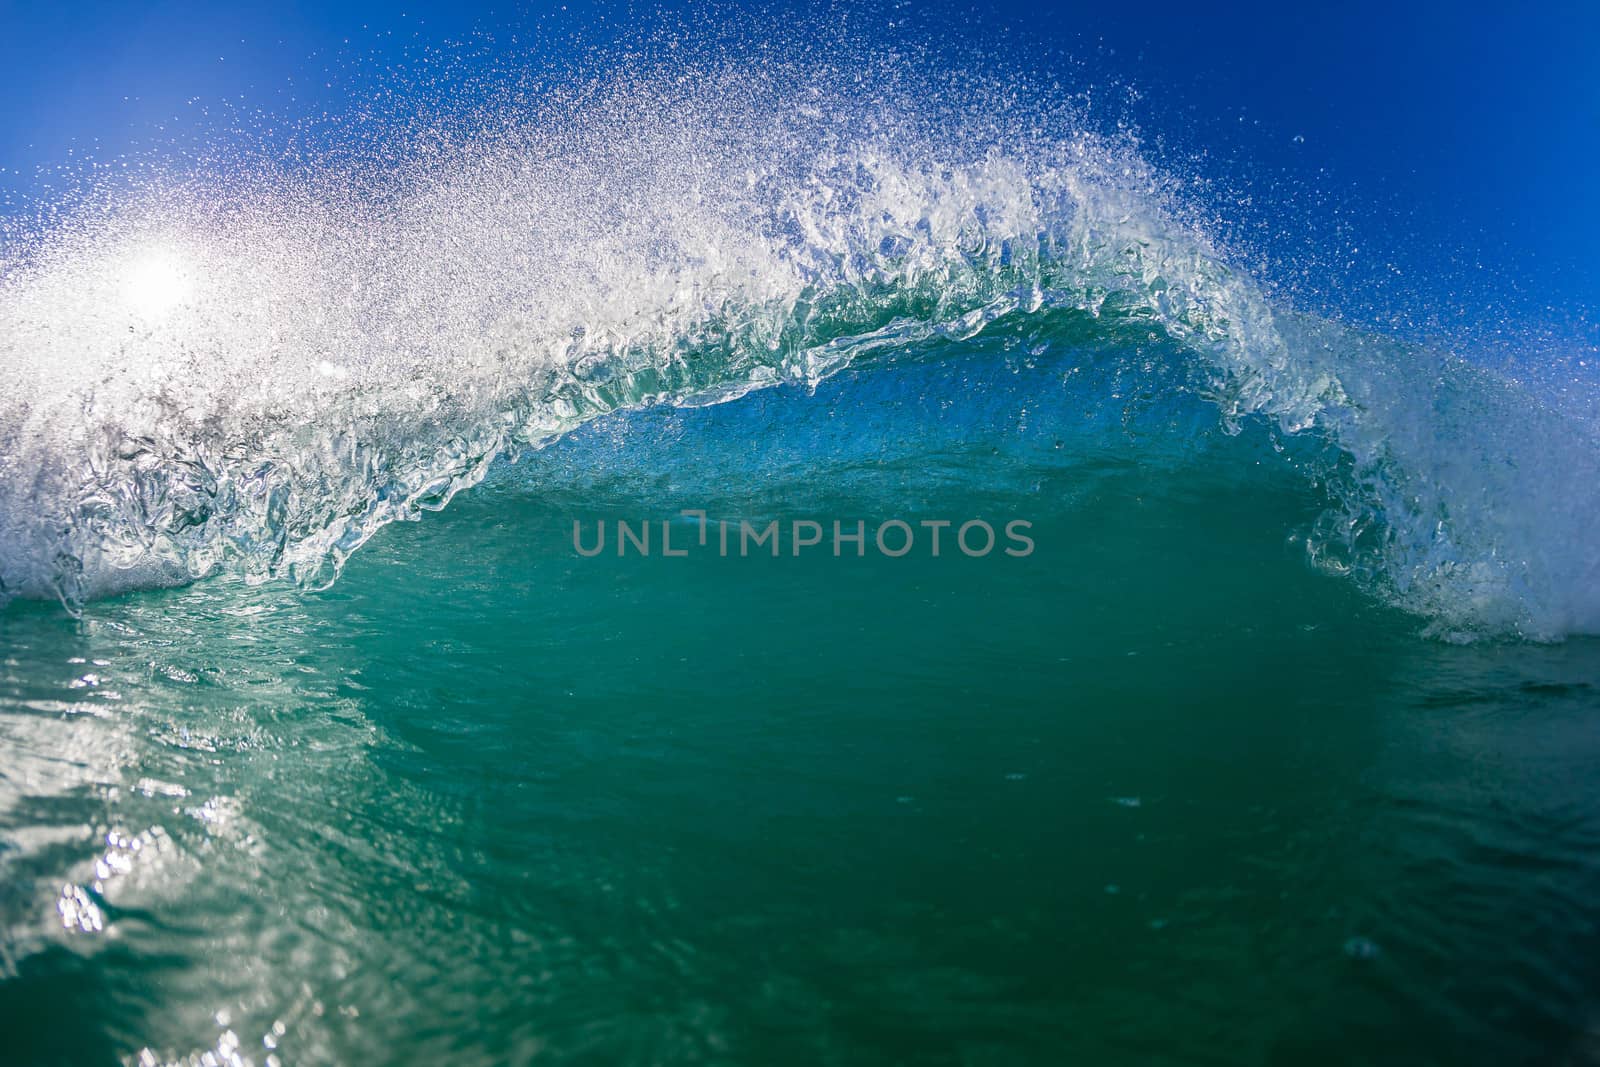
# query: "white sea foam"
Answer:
x=259 y=368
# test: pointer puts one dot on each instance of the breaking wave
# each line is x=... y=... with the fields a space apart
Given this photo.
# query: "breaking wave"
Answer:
x=255 y=368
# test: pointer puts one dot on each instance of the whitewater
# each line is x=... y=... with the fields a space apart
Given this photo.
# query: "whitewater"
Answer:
x=253 y=368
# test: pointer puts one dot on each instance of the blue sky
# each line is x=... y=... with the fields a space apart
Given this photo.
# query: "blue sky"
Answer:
x=1460 y=131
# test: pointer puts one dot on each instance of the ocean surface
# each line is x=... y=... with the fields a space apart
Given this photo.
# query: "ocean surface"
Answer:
x=1261 y=733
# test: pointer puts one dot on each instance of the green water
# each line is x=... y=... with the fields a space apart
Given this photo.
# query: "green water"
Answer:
x=1158 y=793
x=1184 y=785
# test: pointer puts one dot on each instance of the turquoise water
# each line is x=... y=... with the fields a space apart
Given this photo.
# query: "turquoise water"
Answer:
x=1157 y=793
x=1274 y=746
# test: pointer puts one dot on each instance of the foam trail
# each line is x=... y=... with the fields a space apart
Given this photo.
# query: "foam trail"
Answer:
x=257 y=371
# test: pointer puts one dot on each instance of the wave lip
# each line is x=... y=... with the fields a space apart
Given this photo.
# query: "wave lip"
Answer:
x=258 y=373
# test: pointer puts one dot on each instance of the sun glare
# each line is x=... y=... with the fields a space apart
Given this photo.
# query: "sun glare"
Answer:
x=155 y=284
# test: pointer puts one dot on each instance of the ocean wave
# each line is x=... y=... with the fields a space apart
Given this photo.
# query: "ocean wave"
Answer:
x=256 y=370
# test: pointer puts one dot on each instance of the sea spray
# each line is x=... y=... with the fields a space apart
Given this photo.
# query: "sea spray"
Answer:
x=255 y=370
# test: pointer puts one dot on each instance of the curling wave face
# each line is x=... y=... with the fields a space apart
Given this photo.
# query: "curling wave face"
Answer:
x=258 y=370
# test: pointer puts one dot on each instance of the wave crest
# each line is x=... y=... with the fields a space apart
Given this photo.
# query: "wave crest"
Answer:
x=258 y=372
